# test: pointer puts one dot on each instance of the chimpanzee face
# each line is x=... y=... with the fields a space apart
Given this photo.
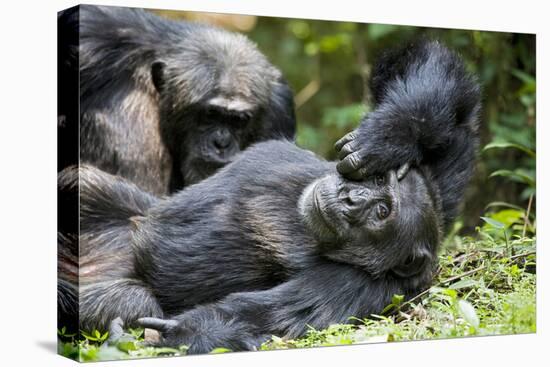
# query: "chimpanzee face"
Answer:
x=221 y=129
x=216 y=98
x=388 y=223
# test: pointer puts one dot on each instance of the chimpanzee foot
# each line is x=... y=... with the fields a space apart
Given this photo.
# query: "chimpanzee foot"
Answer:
x=116 y=331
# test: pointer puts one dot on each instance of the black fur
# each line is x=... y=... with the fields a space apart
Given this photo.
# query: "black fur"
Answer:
x=239 y=245
x=426 y=113
x=146 y=89
x=272 y=243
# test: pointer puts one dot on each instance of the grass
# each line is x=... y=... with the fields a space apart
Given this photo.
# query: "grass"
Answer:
x=485 y=285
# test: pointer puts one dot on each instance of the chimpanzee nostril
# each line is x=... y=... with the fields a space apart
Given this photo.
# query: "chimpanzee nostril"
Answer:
x=221 y=143
x=355 y=198
x=354 y=202
x=221 y=139
x=347 y=201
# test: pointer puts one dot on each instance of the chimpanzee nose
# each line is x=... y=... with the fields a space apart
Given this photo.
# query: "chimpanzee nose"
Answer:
x=221 y=139
x=355 y=202
x=355 y=198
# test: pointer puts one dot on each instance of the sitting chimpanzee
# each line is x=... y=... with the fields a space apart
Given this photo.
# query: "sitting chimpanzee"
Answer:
x=278 y=239
x=160 y=102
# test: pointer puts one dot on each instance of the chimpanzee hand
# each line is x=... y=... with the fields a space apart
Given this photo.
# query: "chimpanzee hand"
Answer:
x=376 y=147
x=204 y=329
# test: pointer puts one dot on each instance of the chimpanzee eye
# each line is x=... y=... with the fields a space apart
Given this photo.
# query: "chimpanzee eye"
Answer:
x=239 y=121
x=379 y=180
x=244 y=117
x=382 y=211
x=212 y=113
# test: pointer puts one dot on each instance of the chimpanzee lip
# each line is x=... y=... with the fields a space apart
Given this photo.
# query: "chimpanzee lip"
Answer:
x=211 y=163
x=319 y=210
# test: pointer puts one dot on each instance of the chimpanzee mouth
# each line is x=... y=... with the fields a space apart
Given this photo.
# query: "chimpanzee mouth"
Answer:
x=211 y=164
x=322 y=212
x=197 y=169
x=206 y=167
x=318 y=208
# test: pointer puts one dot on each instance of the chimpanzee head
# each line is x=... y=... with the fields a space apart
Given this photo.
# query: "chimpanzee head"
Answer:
x=218 y=94
x=389 y=224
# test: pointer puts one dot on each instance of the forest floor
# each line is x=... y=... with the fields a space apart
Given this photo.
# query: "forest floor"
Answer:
x=484 y=286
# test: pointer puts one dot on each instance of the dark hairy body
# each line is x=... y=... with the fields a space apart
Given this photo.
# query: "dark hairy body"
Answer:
x=165 y=103
x=278 y=239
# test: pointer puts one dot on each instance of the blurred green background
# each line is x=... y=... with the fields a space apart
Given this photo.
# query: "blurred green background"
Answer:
x=327 y=64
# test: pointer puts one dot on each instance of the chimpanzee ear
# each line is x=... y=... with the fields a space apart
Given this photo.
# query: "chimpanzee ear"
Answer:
x=280 y=120
x=157 y=74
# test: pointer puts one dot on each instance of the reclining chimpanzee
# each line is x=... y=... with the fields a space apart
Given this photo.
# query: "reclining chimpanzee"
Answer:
x=278 y=239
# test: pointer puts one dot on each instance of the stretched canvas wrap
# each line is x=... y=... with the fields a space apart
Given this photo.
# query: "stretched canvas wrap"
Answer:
x=242 y=183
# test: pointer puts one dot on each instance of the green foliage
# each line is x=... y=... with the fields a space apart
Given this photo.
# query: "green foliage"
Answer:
x=522 y=175
x=92 y=347
x=503 y=145
x=96 y=336
x=220 y=350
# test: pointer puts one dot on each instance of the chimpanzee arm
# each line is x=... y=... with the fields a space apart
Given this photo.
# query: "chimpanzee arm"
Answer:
x=324 y=294
x=426 y=113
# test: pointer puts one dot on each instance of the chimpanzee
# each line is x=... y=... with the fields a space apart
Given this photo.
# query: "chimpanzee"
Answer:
x=164 y=103
x=278 y=239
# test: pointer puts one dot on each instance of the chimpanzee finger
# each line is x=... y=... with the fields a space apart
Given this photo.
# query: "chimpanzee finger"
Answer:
x=157 y=324
x=403 y=170
x=350 y=163
x=358 y=175
x=347 y=149
x=344 y=140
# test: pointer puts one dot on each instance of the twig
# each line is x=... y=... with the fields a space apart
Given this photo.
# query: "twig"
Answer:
x=527 y=215
x=523 y=255
x=307 y=92
x=460 y=276
x=311 y=88
x=362 y=60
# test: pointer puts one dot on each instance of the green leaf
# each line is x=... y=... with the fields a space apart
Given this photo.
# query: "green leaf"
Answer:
x=492 y=222
x=504 y=145
x=514 y=270
x=104 y=336
x=388 y=308
x=508 y=216
x=464 y=283
x=397 y=299
x=126 y=346
x=523 y=76
x=450 y=292
x=468 y=312
x=220 y=350
x=515 y=175
x=88 y=336
x=502 y=204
